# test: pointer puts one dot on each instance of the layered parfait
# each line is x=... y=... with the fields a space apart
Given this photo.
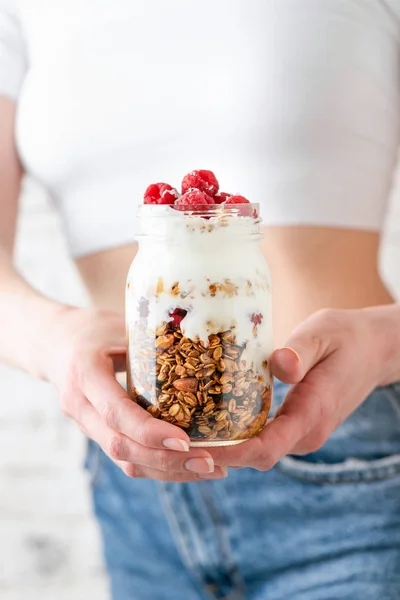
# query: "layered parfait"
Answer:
x=199 y=312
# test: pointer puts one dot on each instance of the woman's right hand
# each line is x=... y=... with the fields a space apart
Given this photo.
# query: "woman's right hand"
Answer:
x=84 y=346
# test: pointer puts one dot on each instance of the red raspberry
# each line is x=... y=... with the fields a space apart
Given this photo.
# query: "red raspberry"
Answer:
x=177 y=317
x=168 y=194
x=237 y=200
x=256 y=318
x=202 y=180
x=221 y=197
x=160 y=193
x=194 y=198
x=245 y=210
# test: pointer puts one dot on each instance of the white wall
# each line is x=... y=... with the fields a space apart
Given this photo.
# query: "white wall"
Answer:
x=49 y=545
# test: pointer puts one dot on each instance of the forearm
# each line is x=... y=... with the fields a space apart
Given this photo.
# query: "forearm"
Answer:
x=385 y=323
x=27 y=321
x=26 y=318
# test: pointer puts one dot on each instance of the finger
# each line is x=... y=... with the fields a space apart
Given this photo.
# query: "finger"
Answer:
x=311 y=342
x=238 y=456
x=311 y=443
x=121 y=449
x=195 y=461
x=138 y=472
x=285 y=365
x=304 y=414
x=264 y=451
x=311 y=410
x=326 y=424
x=121 y=414
x=301 y=412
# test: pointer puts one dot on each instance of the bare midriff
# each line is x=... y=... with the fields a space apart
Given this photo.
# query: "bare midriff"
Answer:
x=311 y=268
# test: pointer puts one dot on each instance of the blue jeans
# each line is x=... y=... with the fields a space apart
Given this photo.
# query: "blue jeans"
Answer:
x=321 y=527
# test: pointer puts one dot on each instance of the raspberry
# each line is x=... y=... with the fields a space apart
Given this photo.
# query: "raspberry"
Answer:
x=202 y=180
x=194 y=198
x=237 y=200
x=243 y=211
x=160 y=193
x=256 y=318
x=152 y=193
x=168 y=194
x=177 y=317
x=221 y=197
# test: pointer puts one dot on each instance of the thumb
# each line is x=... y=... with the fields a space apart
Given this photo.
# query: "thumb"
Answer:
x=304 y=349
x=285 y=364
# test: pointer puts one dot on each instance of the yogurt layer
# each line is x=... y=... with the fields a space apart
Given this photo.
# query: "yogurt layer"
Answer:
x=212 y=268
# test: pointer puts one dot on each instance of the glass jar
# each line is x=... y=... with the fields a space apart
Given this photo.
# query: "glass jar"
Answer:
x=199 y=322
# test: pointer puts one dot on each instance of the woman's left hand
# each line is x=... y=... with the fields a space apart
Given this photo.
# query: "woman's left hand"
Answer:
x=334 y=360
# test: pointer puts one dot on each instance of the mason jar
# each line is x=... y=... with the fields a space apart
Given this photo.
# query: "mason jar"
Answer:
x=199 y=321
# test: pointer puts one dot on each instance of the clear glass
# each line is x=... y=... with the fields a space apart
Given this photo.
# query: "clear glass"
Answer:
x=199 y=322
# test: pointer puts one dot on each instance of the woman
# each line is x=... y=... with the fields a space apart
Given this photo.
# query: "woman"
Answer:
x=297 y=104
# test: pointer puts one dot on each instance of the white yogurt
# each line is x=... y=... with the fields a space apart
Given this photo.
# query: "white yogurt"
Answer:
x=212 y=268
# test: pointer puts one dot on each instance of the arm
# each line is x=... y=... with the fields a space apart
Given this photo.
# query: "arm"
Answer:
x=74 y=349
x=17 y=344
x=362 y=345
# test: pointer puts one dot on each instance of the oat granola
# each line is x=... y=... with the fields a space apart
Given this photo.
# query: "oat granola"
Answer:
x=207 y=390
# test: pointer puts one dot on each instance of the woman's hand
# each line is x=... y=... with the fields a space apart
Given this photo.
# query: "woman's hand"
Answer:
x=85 y=347
x=334 y=360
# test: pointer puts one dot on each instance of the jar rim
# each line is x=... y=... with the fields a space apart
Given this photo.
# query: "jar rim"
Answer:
x=164 y=221
x=201 y=210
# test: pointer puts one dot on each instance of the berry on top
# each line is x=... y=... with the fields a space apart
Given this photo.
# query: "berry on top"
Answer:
x=244 y=209
x=194 y=198
x=221 y=197
x=237 y=200
x=160 y=193
x=202 y=180
x=199 y=188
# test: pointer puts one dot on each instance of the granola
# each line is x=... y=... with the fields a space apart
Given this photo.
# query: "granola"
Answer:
x=208 y=390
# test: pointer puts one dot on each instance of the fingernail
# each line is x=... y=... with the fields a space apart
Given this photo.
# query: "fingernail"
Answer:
x=293 y=351
x=176 y=444
x=219 y=473
x=200 y=465
x=286 y=358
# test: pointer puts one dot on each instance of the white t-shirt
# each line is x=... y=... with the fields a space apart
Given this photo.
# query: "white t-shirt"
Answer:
x=292 y=103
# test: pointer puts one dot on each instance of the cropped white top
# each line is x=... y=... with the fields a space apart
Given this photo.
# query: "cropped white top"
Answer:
x=293 y=103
